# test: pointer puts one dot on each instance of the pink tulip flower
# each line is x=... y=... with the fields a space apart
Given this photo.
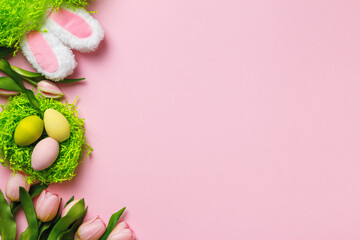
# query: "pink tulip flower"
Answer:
x=7 y=93
x=122 y=231
x=15 y=181
x=47 y=206
x=92 y=229
x=69 y=206
x=49 y=89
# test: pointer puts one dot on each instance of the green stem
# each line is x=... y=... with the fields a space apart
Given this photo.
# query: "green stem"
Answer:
x=29 y=81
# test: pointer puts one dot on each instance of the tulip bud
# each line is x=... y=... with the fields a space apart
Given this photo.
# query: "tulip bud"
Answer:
x=47 y=206
x=7 y=93
x=122 y=231
x=49 y=89
x=69 y=206
x=15 y=181
x=92 y=229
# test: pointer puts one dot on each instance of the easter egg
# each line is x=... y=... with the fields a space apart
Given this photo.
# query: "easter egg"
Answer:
x=56 y=125
x=44 y=154
x=28 y=130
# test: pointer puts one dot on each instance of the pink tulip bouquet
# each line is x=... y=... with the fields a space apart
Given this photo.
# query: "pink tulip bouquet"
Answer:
x=45 y=219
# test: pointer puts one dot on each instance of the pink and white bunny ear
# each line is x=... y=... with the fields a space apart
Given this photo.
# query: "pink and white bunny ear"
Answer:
x=48 y=55
x=75 y=28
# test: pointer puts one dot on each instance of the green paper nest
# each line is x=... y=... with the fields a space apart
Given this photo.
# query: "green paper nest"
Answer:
x=18 y=17
x=19 y=158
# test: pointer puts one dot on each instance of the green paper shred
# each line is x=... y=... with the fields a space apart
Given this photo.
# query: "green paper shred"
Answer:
x=18 y=158
x=18 y=17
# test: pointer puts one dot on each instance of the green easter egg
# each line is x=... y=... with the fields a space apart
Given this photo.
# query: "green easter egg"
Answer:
x=28 y=130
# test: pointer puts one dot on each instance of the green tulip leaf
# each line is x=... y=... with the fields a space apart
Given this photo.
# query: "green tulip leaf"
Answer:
x=27 y=235
x=62 y=225
x=7 y=221
x=27 y=74
x=44 y=229
x=47 y=227
x=112 y=222
x=44 y=226
x=69 y=234
x=31 y=233
x=35 y=190
x=34 y=102
x=4 y=51
x=8 y=83
x=5 y=67
x=72 y=80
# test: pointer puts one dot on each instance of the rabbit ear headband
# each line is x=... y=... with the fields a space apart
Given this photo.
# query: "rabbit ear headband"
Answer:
x=47 y=42
x=49 y=51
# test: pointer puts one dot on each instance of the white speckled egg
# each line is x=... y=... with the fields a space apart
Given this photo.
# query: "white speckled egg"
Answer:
x=56 y=125
x=44 y=154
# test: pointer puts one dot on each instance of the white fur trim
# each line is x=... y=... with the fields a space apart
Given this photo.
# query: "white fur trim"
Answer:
x=81 y=44
x=65 y=57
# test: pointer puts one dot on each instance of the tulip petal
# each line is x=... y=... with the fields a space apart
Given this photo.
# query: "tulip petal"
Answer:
x=92 y=229
x=122 y=231
x=49 y=89
x=47 y=206
x=7 y=93
x=12 y=187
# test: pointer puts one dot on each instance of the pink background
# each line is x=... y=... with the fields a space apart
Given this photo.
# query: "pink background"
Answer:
x=230 y=119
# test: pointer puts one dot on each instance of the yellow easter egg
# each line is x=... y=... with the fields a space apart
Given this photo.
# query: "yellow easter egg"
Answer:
x=56 y=125
x=28 y=130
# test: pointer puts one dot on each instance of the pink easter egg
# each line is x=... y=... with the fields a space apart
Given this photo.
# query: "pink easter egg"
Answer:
x=44 y=154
